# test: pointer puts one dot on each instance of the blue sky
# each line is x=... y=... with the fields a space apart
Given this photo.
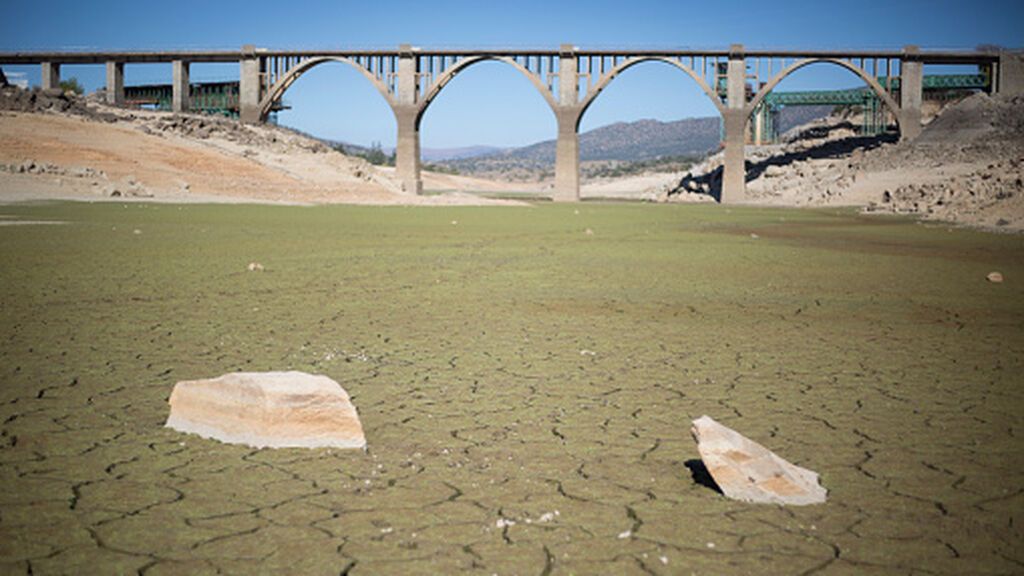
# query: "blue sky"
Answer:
x=491 y=103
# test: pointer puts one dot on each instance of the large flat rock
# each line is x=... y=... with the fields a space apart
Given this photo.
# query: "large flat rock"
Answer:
x=747 y=471
x=268 y=409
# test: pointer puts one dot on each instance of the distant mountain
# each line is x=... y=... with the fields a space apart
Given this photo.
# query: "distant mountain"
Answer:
x=442 y=154
x=630 y=141
x=622 y=142
x=626 y=142
x=426 y=154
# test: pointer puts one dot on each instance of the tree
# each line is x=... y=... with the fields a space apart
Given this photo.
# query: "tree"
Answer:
x=71 y=85
x=375 y=155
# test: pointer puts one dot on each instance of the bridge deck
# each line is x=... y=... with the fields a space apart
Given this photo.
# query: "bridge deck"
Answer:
x=74 y=57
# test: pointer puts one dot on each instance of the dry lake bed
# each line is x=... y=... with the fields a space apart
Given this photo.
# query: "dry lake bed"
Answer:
x=526 y=378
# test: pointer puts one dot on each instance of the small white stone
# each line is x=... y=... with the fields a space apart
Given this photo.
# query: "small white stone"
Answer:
x=626 y=534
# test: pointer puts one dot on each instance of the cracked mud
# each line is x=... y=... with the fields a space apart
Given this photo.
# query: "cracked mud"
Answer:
x=526 y=389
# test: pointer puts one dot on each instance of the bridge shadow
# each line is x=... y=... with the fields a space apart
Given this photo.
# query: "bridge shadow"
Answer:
x=710 y=183
x=827 y=150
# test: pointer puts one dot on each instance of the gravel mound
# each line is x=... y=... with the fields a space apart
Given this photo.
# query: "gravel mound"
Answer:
x=965 y=167
x=54 y=100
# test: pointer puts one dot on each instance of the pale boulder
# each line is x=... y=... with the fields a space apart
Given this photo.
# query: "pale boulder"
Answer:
x=268 y=409
x=749 y=472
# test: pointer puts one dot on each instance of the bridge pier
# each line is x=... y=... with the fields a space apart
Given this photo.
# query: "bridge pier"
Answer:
x=407 y=116
x=734 y=117
x=567 y=112
x=911 y=92
x=249 y=86
x=51 y=75
x=407 y=150
x=1010 y=76
x=180 y=92
x=567 y=157
x=115 y=83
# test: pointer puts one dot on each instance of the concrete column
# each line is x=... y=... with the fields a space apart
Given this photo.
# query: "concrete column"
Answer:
x=734 y=178
x=911 y=91
x=407 y=151
x=51 y=75
x=115 y=83
x=567 y=157
x=759 y=125
x=249 y=86
x=567 y=147
x=1010 y=74
x=407 y=116
x=180 y=87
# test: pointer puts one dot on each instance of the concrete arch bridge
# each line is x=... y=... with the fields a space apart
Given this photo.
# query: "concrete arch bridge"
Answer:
x=569 y=79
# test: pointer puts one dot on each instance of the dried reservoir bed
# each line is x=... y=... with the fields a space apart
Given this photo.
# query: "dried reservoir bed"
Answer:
x=526 y=378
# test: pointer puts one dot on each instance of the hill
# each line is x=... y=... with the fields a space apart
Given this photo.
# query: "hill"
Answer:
x=622 y=142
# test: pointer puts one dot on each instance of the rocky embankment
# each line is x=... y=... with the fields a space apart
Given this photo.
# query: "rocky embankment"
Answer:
x=965 y=167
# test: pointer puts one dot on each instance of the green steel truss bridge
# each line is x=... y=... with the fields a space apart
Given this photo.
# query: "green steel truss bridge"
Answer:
x=874 y=115
x=217 y=98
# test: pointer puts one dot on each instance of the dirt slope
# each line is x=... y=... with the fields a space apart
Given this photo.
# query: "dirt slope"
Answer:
x=61 y=147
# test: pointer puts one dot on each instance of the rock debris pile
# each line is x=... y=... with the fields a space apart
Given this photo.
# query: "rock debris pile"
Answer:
x=813 y=162
x=205 y=127
x=36 y=167
x=15 y=99
x=999 y=186
x=965 y=167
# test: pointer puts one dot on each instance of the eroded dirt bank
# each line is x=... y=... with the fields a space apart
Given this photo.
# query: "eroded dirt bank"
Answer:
x=966 y=167
x=55 y=146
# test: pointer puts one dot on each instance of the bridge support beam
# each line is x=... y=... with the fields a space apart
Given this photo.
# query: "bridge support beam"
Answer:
x=115 y=83
x=249 y=86
x=407 y=116
x=911 y=92
x=180 y=90
x=51 y=75
x=1010 y=77
x=734 y=177
x=567 y=147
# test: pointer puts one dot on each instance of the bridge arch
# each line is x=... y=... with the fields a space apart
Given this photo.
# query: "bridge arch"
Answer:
x=871 y=82
x=281 y=86
x=435 y=88
x=605 y=80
